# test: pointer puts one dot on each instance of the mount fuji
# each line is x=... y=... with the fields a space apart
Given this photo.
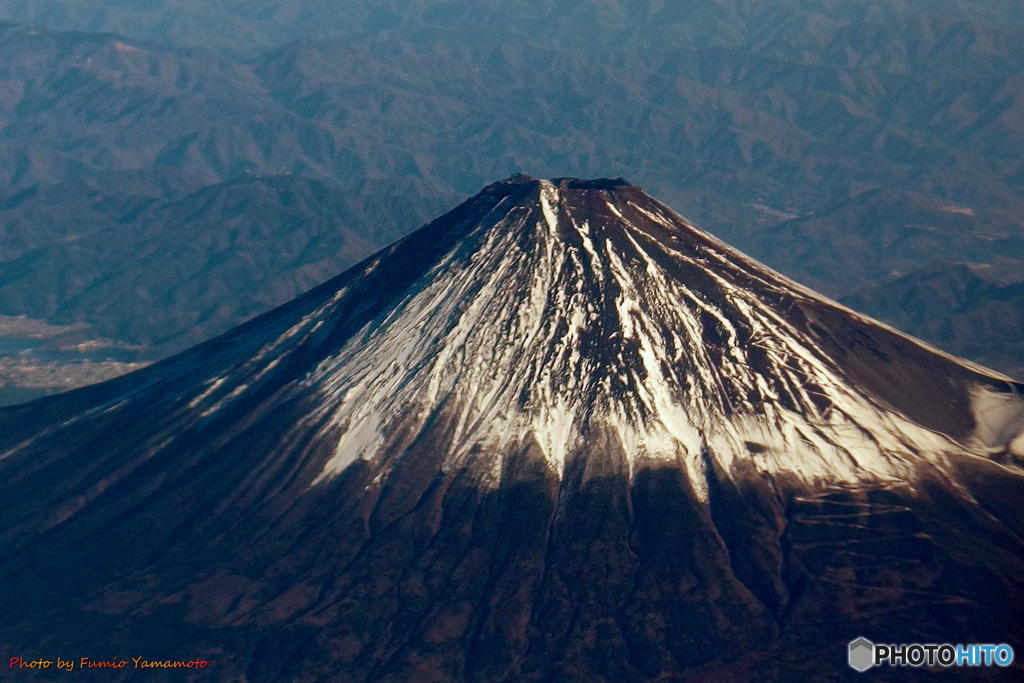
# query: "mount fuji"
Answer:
x=557 y=433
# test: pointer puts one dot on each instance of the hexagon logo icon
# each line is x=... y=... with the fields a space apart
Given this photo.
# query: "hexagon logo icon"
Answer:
x=861 y=654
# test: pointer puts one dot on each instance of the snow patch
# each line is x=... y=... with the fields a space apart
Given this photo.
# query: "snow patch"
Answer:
x=998 y=418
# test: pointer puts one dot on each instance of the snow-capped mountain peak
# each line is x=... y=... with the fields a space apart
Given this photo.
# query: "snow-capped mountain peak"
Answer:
x=560 y=314
x=556 y=433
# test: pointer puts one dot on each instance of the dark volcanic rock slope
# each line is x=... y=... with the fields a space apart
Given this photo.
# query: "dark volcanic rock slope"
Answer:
x=557 y=433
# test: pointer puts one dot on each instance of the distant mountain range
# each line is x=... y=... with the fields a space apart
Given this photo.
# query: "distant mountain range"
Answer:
x=245 y=26
x=165 y=274
x=957 y=307
x=844 y=143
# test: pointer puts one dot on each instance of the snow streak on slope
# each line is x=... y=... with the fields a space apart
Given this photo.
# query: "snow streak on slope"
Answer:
x=586 y=311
